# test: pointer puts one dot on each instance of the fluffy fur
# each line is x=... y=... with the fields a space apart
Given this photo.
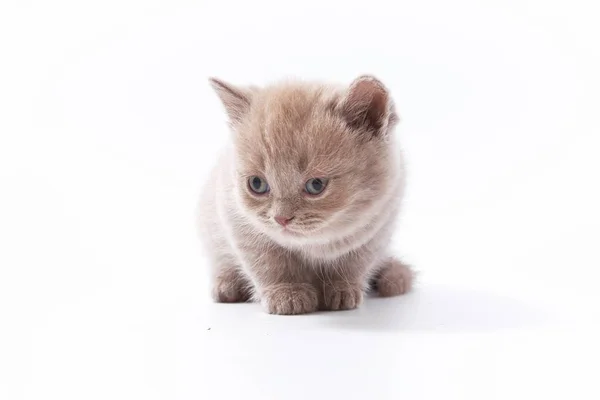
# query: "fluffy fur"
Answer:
x=336 y=242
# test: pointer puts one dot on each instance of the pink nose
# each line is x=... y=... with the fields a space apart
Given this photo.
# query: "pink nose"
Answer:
x=283 y=221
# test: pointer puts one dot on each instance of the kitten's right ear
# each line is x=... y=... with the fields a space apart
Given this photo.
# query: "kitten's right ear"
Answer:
x=236 y=100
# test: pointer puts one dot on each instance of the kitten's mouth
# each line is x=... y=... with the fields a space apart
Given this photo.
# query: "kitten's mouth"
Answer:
x=290 y=231
x=287 y=231
x=293 y=230
x=298 y=232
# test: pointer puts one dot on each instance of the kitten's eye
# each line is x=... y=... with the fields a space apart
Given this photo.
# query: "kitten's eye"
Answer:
x=315 y=186
x=258 y=185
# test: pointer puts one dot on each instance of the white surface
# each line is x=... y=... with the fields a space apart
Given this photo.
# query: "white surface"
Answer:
x=108 y=126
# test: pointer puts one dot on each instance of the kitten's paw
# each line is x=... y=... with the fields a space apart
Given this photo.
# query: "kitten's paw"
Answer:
x=230 y=289
x=394 y=279
x=342 y=296
x=290 y=298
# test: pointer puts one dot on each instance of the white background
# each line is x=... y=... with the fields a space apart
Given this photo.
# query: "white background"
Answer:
x=108 y=127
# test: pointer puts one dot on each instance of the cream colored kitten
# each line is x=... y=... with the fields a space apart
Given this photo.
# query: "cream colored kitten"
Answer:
x=300 y=210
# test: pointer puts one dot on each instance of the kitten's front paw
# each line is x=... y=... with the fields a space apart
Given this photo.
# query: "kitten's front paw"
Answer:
x=229 y=288
x=290 y=298
x=342 y=296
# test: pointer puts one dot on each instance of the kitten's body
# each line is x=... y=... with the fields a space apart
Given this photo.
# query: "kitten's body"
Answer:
x=336 y=242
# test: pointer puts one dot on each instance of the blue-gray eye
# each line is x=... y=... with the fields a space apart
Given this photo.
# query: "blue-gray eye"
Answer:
x=258 y=185
x=315 y=186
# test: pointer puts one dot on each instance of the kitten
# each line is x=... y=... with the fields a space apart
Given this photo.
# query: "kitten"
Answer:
x=300 y=210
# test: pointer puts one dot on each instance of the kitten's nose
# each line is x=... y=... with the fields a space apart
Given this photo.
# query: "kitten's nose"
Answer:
x=283 y=221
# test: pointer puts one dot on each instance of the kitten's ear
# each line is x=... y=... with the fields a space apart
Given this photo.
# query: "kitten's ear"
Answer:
x=235 y=99
x=368 y=106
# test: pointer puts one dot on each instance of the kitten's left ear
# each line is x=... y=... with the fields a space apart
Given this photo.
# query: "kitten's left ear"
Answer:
x=235 y=99
x=368 y=106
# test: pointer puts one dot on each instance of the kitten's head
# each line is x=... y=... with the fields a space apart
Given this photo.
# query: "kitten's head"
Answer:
x=311 y=159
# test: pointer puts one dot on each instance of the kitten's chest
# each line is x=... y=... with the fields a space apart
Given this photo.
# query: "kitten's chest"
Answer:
x=317 y=254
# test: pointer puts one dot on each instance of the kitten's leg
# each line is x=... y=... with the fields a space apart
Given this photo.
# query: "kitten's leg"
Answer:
x=343 y=284
x=393 y=278
x=290 y=298
x=340 y=295
x=283 y=284
x=230 y=285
